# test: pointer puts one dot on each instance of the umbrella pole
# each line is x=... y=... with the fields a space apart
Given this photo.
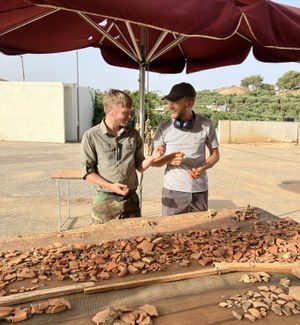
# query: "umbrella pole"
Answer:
x=142 y=101
x=142 y=69
x=78 y=101
x=141 y=120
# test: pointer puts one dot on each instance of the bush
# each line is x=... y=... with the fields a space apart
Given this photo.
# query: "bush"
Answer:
x=98 y=106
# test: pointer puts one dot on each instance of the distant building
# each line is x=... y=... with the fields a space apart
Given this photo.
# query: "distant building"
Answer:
x=218 y=108
x=223 y=108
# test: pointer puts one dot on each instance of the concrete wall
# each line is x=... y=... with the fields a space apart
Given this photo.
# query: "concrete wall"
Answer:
x=258 y=131
x=86 y=109
x=70 y=115
x=43 y=111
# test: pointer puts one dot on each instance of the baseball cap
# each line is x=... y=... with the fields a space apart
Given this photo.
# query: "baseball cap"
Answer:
x=179 y=91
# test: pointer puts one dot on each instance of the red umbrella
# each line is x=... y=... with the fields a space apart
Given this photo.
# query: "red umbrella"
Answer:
x=196 y=34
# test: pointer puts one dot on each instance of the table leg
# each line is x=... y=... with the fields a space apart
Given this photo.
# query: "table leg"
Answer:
x=68 y=198
x=68 y=203
x=58 y=204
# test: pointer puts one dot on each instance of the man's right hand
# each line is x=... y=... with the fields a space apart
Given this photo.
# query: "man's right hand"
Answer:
x=176 y=158
x=119 y=188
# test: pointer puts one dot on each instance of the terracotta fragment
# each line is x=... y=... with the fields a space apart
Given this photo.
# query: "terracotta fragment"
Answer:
x=5 y=311
x=142 y=316
x=145 y=246
x=295 y=292
x=55 y=309
x=132 y=270
x=127 y=317
x=250 y=317
x=149 y=309
x=255 y=313
x=18 y=315
x=26 y=273
x=100 y=317
x=146 y=321
x=276 y=309
x=237 y=314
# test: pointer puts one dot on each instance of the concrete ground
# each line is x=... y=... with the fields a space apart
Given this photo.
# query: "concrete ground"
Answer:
x=261 y=175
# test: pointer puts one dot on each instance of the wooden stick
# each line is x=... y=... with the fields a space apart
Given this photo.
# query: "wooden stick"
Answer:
x=89 y=287
x=152 y=280
x=256 y=267
x=296 y=272
x=45 y=293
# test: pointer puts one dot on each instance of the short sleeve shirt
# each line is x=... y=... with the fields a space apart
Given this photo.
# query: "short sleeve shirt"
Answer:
x=193 y=144
x=98 y=155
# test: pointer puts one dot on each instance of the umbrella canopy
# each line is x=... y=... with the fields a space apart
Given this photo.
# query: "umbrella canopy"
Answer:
x=164 y=35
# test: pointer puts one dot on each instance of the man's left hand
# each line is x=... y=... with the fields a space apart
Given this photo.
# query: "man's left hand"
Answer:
x=196 y=172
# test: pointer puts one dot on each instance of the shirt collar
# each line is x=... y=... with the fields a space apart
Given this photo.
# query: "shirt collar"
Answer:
x=104 y=129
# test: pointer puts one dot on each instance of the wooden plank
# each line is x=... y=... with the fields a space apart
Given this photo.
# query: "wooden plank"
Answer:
x=25 y=297
x=296 y=272
x=152 y=280
x=256 y=267
x=67 y=174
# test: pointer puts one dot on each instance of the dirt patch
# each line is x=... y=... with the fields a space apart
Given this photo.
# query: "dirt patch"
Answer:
x=232 y=90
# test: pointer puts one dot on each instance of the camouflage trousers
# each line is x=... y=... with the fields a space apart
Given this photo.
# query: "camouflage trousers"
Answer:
x=109 y=206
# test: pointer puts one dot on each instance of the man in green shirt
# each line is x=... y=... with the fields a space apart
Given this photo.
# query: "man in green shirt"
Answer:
x=111 y=153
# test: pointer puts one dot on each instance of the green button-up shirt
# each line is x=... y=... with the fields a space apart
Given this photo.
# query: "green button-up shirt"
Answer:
x=99 y=155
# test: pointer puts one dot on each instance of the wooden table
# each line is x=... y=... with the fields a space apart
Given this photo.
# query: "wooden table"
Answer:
x=64 y=175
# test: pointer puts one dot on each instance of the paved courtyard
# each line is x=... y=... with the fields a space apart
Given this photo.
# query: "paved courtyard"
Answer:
x=262 y=175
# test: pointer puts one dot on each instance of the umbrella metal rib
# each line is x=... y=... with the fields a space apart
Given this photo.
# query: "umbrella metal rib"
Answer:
x=106 y=34
x=29 y=21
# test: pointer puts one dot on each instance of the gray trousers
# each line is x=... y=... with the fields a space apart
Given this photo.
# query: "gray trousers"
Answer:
x=175 y=202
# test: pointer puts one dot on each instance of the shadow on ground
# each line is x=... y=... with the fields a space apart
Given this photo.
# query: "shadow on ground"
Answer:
x=293 y=186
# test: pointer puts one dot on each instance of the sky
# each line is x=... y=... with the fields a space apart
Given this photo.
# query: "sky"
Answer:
x=95 y=73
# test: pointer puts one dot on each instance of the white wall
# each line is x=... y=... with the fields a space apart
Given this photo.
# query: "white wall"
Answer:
x=258 y=131
x=70 y=115
x=32 y=111
x=86 y=109
x=43 y=111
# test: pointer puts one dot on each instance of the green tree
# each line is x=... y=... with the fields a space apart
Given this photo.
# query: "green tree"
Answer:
x=253 y=82
x=98 y=114
x=152 y=101
x=260 y=105
x=290 y=80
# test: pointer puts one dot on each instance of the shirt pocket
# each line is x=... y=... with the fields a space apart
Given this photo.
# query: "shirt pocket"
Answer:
x=109 y=151
x=129 y=150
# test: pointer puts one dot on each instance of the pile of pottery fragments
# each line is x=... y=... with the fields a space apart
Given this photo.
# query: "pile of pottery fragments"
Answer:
x=112 y=316
x=271 y=241
x=17 y=314
x=266 y=242
x=124 y=315
x=254 y=305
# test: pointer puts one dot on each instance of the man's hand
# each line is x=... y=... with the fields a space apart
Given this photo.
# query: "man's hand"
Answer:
x=176 y=158
x=158 y=152
x=195 y=173
x=119 y=188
